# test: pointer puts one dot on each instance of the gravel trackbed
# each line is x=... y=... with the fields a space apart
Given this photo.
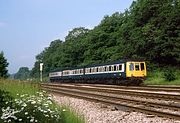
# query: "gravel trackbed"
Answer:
x=101 y=113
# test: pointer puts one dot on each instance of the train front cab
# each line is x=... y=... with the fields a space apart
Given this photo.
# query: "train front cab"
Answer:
x=136 y=69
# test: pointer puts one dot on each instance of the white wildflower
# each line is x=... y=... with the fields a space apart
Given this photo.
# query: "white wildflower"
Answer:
x=45 y=104
x=22 y=95
x=33 y=102
x=45 y=111
x=24 y=104
x=20 y=119
x=32 y=120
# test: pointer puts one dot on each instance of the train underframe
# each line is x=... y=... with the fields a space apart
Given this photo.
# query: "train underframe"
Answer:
x=111 y=81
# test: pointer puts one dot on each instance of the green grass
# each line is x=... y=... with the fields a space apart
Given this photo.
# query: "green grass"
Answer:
x=70 y=116
x=156 y=78
x=15 y=87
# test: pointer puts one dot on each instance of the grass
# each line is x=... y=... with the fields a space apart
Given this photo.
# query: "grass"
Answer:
x=156 y=77
x=18 y=88
x=70 y=116
x=15 y=87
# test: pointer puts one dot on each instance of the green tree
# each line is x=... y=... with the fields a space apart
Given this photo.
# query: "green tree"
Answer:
x=22 y=74
x=3 y=66
x=149 y=29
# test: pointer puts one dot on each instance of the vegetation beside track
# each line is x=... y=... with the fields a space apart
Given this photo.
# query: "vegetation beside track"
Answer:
x=25 y=102
x=160 y=77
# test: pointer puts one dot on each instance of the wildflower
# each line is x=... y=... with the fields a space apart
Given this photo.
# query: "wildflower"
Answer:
x=32 y=120
x=26 y=113
x=33 y=102
x=49 y=98
x=45 y=104
x=49 y=102
x=20 y=119
x=24 y=104
x=45 y=111
x=22 y=95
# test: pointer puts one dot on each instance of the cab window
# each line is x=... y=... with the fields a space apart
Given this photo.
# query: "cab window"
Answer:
x=142 y=66
x=137 y=67
x=131 y=67
x=120 y=67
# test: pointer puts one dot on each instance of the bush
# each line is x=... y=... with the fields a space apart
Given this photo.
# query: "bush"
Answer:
x=4 y=98
x=31 y=108
x=169 y=74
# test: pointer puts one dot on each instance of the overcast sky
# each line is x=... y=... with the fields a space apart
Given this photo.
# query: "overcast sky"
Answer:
x=28 y=26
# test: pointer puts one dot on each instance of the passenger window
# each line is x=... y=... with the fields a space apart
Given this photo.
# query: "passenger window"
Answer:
x=142 y=66
x=114 y=67
x=109 y=68
x=131 y=67
x=120 y=67
x=104 y=68
x=137 y=67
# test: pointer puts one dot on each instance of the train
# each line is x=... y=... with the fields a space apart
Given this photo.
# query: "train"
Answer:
x=121 y=72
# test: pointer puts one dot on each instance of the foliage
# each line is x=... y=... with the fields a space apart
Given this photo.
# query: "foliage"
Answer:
x=24 y=102
x=3 y=66
x=22 y=74
x=148 y=30
x=4 y=98
x=169 y=74
x=34 y=108
x=156 y=77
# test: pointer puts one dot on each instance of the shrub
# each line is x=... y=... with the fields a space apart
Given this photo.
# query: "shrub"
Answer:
x=169 y=74
x=4 y=98
x=27 y=109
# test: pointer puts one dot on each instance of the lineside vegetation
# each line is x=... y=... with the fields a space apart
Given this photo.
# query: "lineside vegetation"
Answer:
x=24 y=102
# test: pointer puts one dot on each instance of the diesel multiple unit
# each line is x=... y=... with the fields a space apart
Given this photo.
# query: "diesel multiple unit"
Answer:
x=125 y=72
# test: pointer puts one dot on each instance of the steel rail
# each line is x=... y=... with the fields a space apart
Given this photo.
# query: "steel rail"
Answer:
x=153 y=95
x=106 y=95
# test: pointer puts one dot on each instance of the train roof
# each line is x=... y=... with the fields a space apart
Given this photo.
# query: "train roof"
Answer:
x=100 y=64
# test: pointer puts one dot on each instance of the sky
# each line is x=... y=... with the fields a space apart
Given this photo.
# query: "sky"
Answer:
x=28 y=26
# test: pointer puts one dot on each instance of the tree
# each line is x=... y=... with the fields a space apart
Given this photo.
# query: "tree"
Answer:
x=149 y=30
x=3 y=66
x=22 y=74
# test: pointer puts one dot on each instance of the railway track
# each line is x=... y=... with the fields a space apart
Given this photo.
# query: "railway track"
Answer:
x=134 y=99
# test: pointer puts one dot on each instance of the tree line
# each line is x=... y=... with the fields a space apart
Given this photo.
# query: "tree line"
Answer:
x=148 y=29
